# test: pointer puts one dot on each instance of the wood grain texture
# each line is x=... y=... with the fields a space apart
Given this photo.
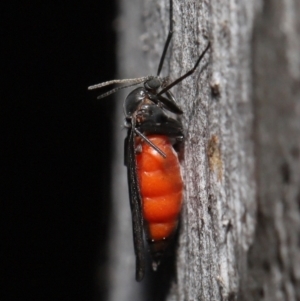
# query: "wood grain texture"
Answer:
x=241 y=120
x=274 y=259
x=219 y=213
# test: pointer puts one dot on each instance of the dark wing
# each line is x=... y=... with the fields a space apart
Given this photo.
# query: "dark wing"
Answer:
x=135 y=204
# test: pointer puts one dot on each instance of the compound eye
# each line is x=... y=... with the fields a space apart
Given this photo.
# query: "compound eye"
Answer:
x=152 y=84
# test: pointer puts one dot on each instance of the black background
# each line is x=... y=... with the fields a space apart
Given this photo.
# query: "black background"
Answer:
x=57 y=145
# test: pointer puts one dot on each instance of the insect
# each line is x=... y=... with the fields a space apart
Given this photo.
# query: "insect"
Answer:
x=154 y=178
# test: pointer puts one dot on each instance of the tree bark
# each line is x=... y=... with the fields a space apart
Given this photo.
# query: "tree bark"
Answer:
x=274 y=258
x=239 y=235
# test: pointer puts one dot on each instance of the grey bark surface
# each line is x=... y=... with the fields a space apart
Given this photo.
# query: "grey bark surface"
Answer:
x=240 y=229
x=274 y=258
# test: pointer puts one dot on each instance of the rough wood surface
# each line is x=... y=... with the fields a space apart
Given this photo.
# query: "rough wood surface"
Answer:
x=219 y=212
x=274 y=259
x=222 y=148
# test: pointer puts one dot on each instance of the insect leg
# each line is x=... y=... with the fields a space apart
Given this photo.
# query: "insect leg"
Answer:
x=150 y=143
x=168 y=39
x=181 y=78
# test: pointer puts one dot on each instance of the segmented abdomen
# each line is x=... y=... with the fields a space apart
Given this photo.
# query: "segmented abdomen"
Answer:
x=161 y=187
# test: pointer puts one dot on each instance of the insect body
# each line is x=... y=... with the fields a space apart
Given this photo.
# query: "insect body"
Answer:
x=161 y=192
x=154 y=178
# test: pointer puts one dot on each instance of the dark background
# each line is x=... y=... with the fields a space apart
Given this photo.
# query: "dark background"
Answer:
x=57 y=145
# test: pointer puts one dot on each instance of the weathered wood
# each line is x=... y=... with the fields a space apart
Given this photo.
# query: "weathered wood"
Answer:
x=222 y=187
x=219 y=211
x=274 y=260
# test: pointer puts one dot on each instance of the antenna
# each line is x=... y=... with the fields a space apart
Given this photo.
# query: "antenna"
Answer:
x=133 y=81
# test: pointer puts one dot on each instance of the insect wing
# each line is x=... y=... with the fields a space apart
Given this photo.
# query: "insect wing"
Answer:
x=135 y=204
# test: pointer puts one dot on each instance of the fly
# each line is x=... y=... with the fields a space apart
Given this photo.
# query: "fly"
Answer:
x=154 y=178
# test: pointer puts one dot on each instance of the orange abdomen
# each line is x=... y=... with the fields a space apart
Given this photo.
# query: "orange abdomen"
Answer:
x=160 y=186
